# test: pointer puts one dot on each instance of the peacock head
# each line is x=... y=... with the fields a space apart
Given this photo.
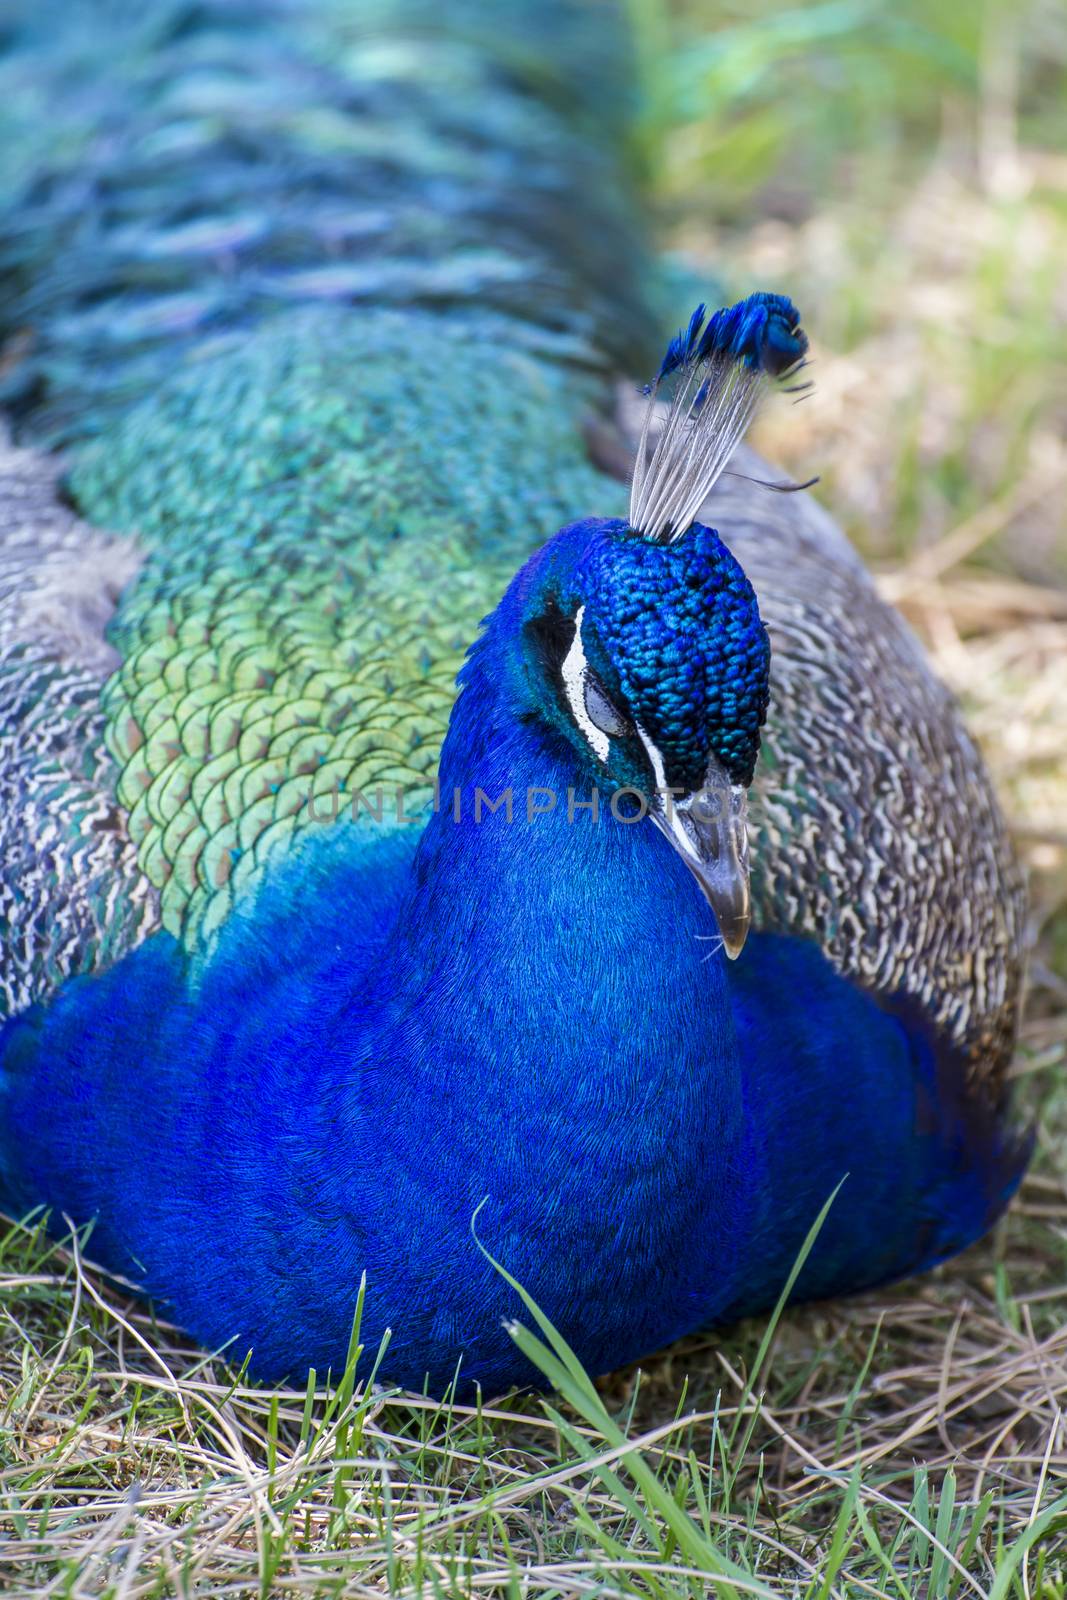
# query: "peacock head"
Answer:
x=643 y=644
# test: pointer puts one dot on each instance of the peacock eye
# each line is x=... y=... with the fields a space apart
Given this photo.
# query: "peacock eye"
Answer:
x=594 y=715
x=600 y=711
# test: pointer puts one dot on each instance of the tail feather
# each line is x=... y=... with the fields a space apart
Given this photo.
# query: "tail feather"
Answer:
x=304 y=284
x=208 y=167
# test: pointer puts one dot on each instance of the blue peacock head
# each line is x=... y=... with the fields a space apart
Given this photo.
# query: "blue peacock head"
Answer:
x=644 y=644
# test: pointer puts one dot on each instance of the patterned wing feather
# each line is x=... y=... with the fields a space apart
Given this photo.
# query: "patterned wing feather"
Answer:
x=71 y=893
x=875 y=828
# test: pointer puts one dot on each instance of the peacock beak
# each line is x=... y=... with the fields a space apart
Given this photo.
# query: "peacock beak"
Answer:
x=709 y=830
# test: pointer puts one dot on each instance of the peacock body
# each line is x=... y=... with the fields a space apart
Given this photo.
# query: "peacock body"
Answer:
x=314 y=317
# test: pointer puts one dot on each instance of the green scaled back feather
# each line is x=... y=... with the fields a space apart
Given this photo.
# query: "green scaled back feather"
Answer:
x=318 y=568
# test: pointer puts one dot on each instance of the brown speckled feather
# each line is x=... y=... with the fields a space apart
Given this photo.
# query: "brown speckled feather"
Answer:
x=874 y=823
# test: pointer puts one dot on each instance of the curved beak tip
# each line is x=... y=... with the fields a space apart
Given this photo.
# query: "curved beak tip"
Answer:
x=730 y=904
x=713 y=844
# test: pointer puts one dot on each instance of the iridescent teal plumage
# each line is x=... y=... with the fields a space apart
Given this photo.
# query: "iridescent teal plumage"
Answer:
x=308 y=329
x=321 y=300
x=178 y=170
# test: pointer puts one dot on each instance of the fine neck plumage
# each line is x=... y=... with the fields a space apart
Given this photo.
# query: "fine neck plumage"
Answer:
x=588 y=1038
x=542 y=909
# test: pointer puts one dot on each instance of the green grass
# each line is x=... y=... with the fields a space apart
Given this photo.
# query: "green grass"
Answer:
x=899 y=169
x=902 y=1446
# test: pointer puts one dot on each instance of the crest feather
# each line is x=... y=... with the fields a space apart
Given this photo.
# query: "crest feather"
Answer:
x=718 y=369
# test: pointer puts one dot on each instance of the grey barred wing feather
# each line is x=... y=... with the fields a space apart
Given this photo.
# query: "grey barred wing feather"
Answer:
x=874 y=825
x=71 y=894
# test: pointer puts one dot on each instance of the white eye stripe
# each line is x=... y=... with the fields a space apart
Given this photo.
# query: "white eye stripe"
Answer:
x=573 y=672
x=655 y=759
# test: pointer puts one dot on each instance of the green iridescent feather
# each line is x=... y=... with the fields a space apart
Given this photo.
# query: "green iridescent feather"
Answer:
x=311 y=587
x=317 y=298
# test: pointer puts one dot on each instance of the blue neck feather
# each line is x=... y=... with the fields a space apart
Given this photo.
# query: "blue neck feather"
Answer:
x=613 y=1028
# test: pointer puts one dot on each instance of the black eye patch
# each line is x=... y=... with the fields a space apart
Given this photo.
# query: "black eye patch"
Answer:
x=550 y=637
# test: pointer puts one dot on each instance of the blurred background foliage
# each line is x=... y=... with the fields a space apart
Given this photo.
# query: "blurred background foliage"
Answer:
x=849 y=97
x=901 y=168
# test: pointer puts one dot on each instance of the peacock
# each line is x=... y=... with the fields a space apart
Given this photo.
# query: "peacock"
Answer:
x=414 y=854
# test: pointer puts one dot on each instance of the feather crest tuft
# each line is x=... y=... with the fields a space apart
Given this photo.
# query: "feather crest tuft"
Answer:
x=719 y=368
